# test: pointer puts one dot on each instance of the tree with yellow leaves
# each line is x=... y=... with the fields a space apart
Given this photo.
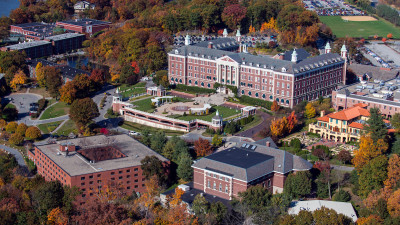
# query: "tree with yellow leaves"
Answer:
x=393 y=204
x=310 y=111
x=40 y=76
x=57 y=217
x=38 y=67
x=278 y=127
x=177 y=197
x=19 y=79
x=367 y=151
x=269 y=26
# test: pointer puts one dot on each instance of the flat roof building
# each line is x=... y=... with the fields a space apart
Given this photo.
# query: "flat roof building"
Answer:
x=33 y=49
x=84 y=26
x=67 y=42
x=344 y=208
x=91 y=163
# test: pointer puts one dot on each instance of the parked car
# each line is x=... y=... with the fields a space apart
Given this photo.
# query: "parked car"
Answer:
x=134 y=133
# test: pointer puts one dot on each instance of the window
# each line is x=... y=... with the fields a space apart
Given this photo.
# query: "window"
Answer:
x=120 y=178
x=136 y=186
x=208 y=184
x=214 y=186
x=98 y=175
x=112 y=173
x=120 y=172
x=91 y=177
x=136 y=180
x=82 y=178
x=91 y=182
x=128 y=171
x=128 y=176
x=269 y=183
x=226 y=188
x=82 y=184
x=136 y=169
x=220 y=187
x=227 y=179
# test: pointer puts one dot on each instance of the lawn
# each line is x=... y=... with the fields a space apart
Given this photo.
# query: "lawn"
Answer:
x=365 y=29
x=223 y=111
x=139 y=128
x=67 y=128
x=47 y=128
x=128 y=90
x=40 y=91
x=144 y=105
x=56 y=110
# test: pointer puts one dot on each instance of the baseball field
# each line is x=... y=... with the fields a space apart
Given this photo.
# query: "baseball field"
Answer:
x=346 y=26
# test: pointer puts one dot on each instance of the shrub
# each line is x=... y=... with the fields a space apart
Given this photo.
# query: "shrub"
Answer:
x=11 y=127
x=193 y=89
x=254 y=101
x=16 y=139
x=342 y=196
x=344 y=156
x=296 y=144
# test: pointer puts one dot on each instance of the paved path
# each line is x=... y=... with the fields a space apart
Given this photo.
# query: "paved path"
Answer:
x=264 y=124
x=16 y=153
x=343 y=168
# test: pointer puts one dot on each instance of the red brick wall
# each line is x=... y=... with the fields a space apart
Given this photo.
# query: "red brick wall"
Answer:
x=278 y=180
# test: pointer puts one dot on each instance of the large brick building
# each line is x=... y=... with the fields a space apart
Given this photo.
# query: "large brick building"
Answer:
x=227 y=62
x=84 y=26
x=226 y=173
x=67 y=42
x=91 y=163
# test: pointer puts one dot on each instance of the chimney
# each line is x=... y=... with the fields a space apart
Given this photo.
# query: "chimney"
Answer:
x=322 y=113
x=268 y=144
x=210 y=44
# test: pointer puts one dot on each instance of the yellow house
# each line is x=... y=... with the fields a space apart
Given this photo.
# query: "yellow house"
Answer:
x=342 y=126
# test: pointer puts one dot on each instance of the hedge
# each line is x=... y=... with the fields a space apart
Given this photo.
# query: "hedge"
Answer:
x=192 y=89
x=254 y=101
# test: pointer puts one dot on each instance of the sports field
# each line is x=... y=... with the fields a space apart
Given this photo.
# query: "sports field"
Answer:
x=365 y=29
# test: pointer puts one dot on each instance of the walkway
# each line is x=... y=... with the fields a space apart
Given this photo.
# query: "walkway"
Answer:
x=16 y=153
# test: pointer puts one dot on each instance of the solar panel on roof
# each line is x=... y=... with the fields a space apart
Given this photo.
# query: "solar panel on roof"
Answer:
x=253 y=147
x=247 y=146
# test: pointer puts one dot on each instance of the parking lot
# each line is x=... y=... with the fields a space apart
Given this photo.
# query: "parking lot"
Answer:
x=388 y=54
x=332 y=8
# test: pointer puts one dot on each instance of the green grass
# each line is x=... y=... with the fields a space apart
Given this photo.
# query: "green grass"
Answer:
x=255 y=122
x=66 y=128
x=365 y=29
x=144 y=105
x=223 y=111
x=139 y=128
x=56 y=110
x=9 y=105
x=47 y=128
x=134 y=89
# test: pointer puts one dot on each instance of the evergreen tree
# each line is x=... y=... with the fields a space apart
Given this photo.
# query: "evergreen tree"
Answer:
x=376 y=128
x=185 y=170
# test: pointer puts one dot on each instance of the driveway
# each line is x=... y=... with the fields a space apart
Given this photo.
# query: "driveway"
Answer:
x=16 y=153
x=265 y=123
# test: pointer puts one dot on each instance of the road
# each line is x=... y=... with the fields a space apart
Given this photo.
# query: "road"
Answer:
x=343 y=168
x=21 y=102
x=16 y=153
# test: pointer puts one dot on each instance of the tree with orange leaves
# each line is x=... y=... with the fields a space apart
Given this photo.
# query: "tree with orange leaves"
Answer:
x=177 y=197
x=389 y=36
x=371 y=219
x=252 y=29
x=291 y=122
x=393 y=172
x=393 y=204
x=57 y=217
x=68 y=92
x=19 y=79
x=202 y=147
x=275 y=107
x=367 y=151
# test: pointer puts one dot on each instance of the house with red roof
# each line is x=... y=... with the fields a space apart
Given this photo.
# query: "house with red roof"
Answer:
x=342 y=126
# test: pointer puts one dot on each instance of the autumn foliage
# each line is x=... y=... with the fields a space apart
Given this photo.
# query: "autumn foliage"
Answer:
x=367 y=151
x=283 y=126
x=275 y=107
x=202 y=147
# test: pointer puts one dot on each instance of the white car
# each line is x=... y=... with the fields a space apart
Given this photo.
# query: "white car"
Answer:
x=133 y=133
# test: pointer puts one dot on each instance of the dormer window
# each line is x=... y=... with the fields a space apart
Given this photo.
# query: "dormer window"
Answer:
x=176 y=51
x=283 y=69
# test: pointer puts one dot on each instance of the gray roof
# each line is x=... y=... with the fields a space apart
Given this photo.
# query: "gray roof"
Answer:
x=66 y=71
x=251 y=161
x=258 y=60
x=26 y=45
x=84 y=22
x=219 y=43
x=74 y=164
x=63 y=36
x=301 y=54
x=264 y=142
x=377 y=73
x=24 y=25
